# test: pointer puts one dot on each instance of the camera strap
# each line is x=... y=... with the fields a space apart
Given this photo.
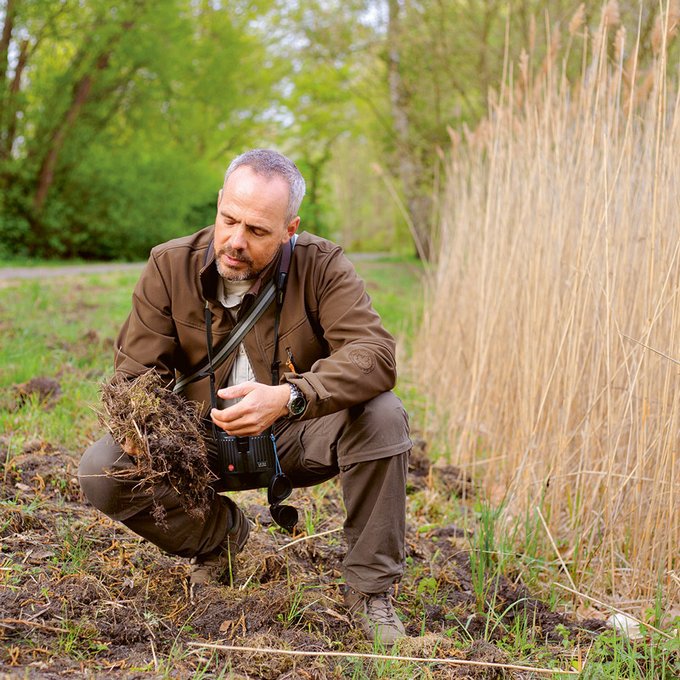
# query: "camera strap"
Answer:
x=280 y=487
x=274 y=289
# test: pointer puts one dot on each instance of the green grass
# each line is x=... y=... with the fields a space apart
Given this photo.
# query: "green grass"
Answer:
x=65 y=328
x=394 y=285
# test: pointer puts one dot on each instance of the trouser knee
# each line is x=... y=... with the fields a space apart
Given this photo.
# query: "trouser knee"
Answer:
x=102 y=490
x=376 y=429
x=131 y=502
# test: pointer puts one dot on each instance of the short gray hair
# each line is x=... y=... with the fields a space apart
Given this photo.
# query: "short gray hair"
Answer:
x=269 y=163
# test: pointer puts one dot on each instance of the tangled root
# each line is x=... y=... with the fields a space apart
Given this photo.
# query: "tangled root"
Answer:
x=161 y=431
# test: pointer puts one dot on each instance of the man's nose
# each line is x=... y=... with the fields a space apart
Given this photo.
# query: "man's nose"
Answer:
x=237 y=239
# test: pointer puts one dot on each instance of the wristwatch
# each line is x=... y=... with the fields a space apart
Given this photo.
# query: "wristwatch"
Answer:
x=297 y=402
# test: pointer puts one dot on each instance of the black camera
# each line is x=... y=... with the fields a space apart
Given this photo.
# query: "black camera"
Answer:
x=245 y=462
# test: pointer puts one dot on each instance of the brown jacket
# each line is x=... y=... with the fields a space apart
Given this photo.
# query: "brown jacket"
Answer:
x=342 y=354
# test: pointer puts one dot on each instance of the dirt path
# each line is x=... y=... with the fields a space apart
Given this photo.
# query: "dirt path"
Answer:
x=8 y=273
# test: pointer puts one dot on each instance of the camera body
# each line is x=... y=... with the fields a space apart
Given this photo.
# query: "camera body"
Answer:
x=245 y=462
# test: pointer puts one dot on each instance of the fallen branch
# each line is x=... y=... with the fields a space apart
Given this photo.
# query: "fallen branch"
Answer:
x=384 y=657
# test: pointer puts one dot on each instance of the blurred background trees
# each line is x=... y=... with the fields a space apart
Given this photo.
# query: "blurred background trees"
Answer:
x=117 y=119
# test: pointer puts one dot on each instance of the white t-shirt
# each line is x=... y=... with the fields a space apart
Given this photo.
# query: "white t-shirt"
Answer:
x=231 y=295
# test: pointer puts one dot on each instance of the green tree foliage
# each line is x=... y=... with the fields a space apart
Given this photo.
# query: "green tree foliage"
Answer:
x=118 y=117
x=438 y=61
x=318 y=95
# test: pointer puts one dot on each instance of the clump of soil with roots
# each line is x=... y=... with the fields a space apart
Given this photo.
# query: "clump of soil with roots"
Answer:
x=161 y=431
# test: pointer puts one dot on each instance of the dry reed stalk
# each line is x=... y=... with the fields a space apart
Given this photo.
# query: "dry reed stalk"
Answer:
x=560 y=238
x=384 y=657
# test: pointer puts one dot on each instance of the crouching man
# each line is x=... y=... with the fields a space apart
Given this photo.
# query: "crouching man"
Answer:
x=317 y=367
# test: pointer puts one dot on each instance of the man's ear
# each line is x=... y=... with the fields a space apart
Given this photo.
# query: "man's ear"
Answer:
x=219 y=198
x=293 y=227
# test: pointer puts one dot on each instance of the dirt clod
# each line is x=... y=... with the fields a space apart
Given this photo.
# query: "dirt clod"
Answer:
x=45 y=390
x=161 y=431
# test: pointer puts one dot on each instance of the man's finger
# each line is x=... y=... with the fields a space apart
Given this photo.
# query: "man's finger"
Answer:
x=231 y=417
x=236 y=391
x=225 y=418
x=241 y=426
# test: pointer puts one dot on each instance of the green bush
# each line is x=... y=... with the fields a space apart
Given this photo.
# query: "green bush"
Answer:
x=113 y=203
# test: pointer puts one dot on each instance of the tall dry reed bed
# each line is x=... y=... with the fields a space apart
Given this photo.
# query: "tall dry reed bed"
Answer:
x=558 y=277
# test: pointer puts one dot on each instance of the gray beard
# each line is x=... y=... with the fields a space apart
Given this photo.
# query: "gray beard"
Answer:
x=229 y=275
x=246 y=275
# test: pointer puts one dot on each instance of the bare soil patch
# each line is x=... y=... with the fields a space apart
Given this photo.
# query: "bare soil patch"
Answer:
x=82 y=595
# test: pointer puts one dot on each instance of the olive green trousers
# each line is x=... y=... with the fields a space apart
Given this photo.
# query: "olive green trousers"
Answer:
x=366 y=445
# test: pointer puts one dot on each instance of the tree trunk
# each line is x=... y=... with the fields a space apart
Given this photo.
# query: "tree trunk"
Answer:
x=7 y=28
x=81 y=92
x=409 y=166
x=10 y=103
x=5 y=40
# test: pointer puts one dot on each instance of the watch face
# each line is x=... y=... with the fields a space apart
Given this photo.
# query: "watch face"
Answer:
x=297 y=406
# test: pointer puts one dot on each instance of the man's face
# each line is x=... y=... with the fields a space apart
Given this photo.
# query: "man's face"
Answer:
x=251 y=223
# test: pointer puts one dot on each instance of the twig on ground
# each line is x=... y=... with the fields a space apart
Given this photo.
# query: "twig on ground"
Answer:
x=384 y=657
x=308 y=538
x=33 y=624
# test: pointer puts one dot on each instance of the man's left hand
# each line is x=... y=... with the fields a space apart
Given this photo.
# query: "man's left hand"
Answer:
x=260 y=406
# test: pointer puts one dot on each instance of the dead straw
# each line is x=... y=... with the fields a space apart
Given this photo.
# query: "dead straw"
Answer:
x=651 y=349
x=383 y=657
x=551 y=243
x=308 y=538
x=554 y=546
x=7 y=623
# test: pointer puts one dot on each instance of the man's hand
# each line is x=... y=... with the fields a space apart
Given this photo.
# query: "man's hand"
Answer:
x=261 y=406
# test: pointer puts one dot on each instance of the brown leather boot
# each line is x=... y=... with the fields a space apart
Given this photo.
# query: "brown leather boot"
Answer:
x=375 y=615
x=219 y=565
